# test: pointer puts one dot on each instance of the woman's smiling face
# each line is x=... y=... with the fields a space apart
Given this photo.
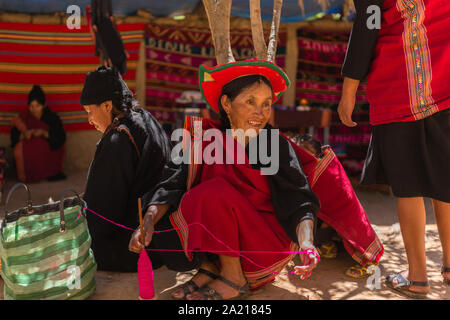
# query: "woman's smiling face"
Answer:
x=251 y=108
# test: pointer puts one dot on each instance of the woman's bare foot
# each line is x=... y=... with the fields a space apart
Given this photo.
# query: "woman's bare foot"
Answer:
x=200 y=279
x=222 y=288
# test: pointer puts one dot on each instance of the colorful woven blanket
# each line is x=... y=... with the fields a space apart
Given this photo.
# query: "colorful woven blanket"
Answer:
x=175 y=53
x=320 y=59
x=58 y=59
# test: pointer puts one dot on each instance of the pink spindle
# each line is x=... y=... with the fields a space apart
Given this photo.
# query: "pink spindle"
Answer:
x=145 y=277
x=145 y=268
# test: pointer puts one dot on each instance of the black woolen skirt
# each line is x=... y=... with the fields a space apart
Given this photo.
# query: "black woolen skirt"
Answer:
x=412 y=157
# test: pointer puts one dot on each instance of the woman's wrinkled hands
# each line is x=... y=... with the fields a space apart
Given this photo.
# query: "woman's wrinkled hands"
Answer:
x=136 y=244
x=310 y=259
x=308 y=253
x=152 y=216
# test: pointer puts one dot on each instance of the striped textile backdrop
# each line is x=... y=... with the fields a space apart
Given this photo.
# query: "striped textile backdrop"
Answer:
x=320 y=58
x=173 y=55
x=58 y=59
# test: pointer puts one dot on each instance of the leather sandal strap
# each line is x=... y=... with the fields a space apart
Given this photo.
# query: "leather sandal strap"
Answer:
x=445 y=269
x=190 y=286
x=243 y=289
x=208 y=273
x=187 y=287
x=419 y=283
x=209 y=293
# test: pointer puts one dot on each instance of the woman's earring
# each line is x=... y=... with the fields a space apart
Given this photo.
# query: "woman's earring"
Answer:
x=229 y=119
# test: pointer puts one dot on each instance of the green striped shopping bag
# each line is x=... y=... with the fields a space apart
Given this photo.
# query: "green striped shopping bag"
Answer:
x=45 y=251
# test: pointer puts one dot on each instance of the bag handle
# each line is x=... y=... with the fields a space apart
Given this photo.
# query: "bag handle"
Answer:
x=29 y=202
x=62 y=228
x=130 y=136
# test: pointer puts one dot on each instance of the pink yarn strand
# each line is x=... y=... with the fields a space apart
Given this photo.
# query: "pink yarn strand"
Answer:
x=239 y=253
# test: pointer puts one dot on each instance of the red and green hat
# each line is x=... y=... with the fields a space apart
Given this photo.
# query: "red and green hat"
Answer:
x=212 y=79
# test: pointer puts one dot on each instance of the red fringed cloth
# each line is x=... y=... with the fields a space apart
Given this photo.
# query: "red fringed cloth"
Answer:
x=409 y=77
x=339 y=205
x=234 y=203
x=57 y=58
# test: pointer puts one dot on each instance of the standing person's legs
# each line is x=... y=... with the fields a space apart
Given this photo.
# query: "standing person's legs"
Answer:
x=442 y=213
x=412 y=219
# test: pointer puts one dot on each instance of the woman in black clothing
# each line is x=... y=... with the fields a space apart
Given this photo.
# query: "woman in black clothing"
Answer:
x=128 y=162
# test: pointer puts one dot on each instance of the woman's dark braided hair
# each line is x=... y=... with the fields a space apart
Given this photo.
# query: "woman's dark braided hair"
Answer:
x=122 y=97
x=233 y=88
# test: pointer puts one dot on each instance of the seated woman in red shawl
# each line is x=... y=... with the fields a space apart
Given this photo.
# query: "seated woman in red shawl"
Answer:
x=226 y=213
x=38 y=139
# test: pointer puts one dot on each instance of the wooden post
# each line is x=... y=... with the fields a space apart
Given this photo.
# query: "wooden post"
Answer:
x=291 y=64
x=141 y=222
x=141 y=75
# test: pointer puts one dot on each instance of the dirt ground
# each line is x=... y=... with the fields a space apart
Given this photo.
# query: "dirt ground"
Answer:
x=328 y=281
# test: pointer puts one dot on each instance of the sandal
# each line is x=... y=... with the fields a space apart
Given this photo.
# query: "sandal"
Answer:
x=445 y=269
x=363 y=272
x=209 y=293
x=403 y=285
x=328 y=250
x=190 y=286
